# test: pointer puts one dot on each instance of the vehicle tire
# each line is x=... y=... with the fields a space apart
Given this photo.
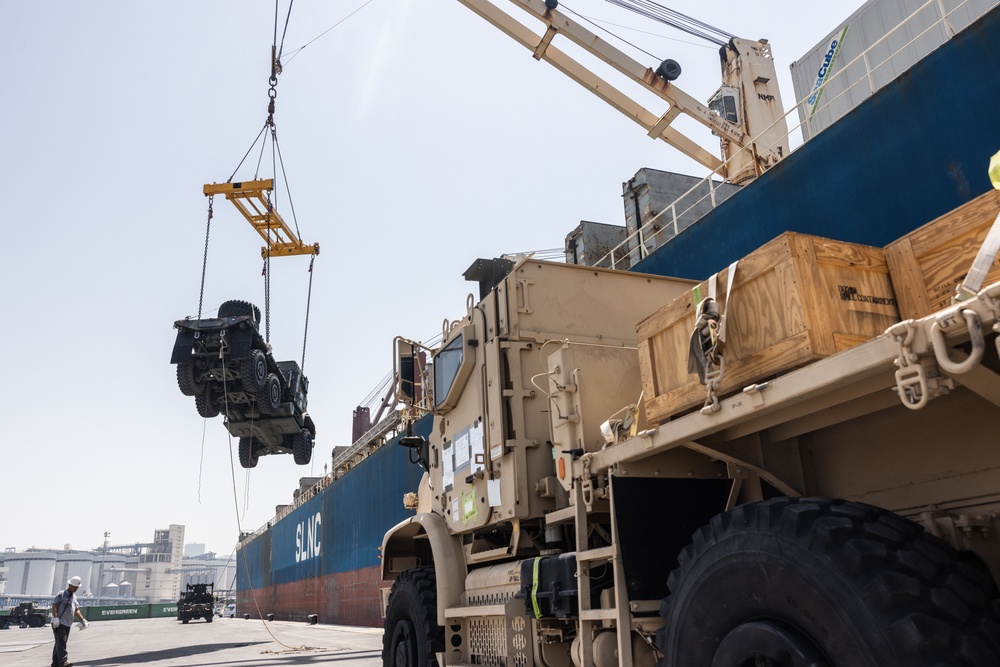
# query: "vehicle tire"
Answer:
x=186 y=381
x=269 y=399
x=35 y=621
x=412 y=635
x=253 y=372
x=185 y=620
x=208 y=618
x=302 y=447
x=248 y=457
x=205 y=403
x=802 y=581
x=238 y=308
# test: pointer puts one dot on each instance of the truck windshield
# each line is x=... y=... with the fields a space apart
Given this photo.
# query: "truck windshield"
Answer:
x=446 y=366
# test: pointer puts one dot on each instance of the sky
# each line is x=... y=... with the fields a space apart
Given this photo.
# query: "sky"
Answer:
x=415 y=138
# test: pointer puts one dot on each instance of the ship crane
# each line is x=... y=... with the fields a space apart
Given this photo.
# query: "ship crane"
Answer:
x=746 y=112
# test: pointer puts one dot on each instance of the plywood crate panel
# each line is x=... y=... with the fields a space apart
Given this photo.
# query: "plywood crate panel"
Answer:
x=795 y=300
x=928 y=264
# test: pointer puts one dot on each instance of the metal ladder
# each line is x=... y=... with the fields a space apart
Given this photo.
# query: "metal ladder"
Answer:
x=590 y=617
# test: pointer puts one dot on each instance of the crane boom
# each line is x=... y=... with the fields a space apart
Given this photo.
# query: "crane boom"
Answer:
x=733 y=135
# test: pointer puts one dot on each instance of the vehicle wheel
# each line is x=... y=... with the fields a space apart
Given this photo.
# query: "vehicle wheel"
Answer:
x=208 y=618
x=35 y=621
x=248 y=457
x=253 y=372
x=412 y=635
x=238 y=308
x=186 y=381
x=810 y=581
x=302 y=447
x=185 y=620
x=205 y=402
x=269 y=399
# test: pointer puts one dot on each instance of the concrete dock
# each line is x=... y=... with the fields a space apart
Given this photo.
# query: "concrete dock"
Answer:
x=165 y=642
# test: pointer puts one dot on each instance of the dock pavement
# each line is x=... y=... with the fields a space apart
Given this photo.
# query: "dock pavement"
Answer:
x=165 y=642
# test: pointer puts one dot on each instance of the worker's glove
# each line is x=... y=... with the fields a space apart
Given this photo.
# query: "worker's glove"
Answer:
x=55 y=623
x=84 y=624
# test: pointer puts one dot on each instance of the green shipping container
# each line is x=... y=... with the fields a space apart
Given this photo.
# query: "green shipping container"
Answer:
x=115 y=613
x=163 y=610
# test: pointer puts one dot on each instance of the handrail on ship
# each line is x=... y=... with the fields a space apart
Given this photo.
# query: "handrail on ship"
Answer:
x=641 y=236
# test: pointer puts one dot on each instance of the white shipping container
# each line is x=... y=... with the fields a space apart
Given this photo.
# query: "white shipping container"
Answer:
x=858 y=58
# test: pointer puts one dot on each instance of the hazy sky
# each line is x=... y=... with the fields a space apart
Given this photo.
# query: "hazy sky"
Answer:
x=415 y=138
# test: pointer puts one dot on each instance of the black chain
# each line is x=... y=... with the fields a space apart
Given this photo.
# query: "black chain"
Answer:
x=204 y=260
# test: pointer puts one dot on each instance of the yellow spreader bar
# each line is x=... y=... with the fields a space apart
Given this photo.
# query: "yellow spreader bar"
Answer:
x=251 y=200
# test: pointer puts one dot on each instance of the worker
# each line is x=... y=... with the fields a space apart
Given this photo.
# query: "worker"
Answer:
x=64 y=609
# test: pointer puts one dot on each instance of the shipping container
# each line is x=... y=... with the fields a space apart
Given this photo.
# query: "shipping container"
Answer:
x=837 y=74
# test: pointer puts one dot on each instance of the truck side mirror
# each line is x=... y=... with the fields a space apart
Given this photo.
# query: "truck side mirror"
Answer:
x=407 y=375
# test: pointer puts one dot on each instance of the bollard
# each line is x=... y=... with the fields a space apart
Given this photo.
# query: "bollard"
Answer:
x=270 y=617
x=246 y=617
x=313 y=619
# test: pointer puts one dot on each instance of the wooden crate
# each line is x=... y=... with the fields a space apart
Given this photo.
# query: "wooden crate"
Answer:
x=928 y=264
x=795 y=300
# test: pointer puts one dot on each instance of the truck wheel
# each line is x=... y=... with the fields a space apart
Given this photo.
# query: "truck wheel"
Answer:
x=185 y=620
x=205 y=403
x=253 y=372
x=186 y=381
x=412 y=635
x=208 y=618
x=270 y=398
x=248 y=457
x=802 y=581
x=35 y=621
x=302 y=447
x=238 y=308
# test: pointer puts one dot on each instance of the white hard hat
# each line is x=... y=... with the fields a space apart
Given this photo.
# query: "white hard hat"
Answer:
x=75 y=581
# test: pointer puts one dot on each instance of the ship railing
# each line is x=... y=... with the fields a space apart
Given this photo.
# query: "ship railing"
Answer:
x=376 y=435
x=705 y=195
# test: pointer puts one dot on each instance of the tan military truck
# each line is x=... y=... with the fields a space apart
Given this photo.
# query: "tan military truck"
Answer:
x=585 y=504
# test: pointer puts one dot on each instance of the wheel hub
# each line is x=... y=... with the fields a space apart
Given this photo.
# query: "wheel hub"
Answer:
x=767 y=644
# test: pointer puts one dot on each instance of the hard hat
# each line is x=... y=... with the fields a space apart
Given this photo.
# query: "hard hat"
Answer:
x=75 y=581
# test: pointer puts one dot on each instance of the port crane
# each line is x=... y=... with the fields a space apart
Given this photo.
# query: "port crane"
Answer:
x=746 y=112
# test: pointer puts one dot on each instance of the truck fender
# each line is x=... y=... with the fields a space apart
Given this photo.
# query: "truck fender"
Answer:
x=401 y=551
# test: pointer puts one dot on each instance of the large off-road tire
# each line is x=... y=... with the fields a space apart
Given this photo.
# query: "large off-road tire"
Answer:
x=238 y=308
x=253 y=372
x=412 y=635
x=248 y=457
x=269 y=399
x=205 y=403
x=302 y=447
x=186 y=381
x=815 y=581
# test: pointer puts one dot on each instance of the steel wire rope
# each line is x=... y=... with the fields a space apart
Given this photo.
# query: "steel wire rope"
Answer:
x=675 y=19
x=230 y=179
x=618 y=37
x=294 y=52
x=236 y=505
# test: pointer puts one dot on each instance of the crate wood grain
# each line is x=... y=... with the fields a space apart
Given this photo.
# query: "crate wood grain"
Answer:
x=928 y=264
x=795 y=300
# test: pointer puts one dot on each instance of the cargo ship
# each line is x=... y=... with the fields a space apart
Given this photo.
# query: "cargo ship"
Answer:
x=875 y=167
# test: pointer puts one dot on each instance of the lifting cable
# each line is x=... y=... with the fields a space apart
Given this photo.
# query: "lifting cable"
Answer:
x=657 y=12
